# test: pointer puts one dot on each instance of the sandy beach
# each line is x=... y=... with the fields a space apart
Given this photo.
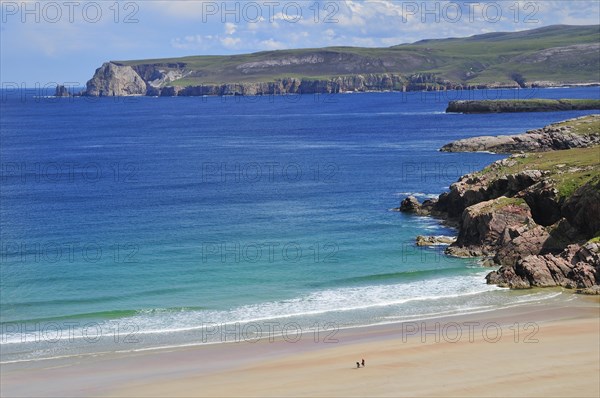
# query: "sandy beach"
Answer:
x=544 y=349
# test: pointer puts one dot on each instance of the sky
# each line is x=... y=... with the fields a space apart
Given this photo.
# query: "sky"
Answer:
x=64 y=41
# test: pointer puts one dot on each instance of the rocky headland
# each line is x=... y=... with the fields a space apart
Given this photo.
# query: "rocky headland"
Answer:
x=575 y=133
x=166 y=80
x=570 y=52
x=536 y=216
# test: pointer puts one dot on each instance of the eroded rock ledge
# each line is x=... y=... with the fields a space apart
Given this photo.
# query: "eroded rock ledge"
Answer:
x=535 y=216
x=574 y=133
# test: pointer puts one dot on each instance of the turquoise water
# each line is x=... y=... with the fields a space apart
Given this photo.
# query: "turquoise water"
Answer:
x=136 y=223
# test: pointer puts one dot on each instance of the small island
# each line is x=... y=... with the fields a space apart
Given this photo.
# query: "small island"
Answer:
x=522 y=105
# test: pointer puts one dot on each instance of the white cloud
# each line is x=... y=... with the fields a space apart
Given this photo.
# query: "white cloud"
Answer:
x=230 y=42
x=194 y=26
x=271 y=44
x=191 y=42
x=230 y=28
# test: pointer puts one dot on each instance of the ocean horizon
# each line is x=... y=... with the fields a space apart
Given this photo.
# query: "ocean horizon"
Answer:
x=139 y=223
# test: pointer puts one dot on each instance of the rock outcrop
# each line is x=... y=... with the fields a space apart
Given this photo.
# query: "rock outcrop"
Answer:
x=115 y=80
x=550 y=138
x=582 y=208
x=61 y=91
x=475 y=188
x=536 y=216
x=483 y=226
x=576 y=267
x=440 y=240
x=412 y=205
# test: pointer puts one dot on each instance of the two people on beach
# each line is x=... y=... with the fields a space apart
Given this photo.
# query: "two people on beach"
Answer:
x=359 y=363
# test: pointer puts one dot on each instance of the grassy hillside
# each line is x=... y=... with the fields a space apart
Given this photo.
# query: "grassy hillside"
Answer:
x=560 y=53
x=569 y=169
x=497 y=56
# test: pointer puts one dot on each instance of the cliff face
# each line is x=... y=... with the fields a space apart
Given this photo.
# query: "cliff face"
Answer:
x=115 y=80
x=154 y=80
x=161 y=79
x=550 y=56
x=536 y=216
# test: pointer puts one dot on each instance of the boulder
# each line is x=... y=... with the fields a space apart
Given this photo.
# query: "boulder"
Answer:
x=413 y=206
x=410 y=205
x=434 y=240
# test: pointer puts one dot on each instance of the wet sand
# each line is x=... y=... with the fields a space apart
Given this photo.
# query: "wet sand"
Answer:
x=544 y=349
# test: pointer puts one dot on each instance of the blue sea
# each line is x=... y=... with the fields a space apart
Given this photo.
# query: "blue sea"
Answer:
x=137 y=223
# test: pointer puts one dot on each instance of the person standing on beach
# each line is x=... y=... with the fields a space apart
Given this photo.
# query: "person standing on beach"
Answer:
x=357 y=365
x=363 y=362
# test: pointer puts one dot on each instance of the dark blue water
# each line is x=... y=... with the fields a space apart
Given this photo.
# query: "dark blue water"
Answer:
x=162 y=215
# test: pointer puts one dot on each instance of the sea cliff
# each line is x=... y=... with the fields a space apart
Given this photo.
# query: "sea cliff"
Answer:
x=113 y=79
x=169 y=80
x=546 y=57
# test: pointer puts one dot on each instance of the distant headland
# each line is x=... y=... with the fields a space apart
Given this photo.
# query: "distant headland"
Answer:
x=553 y=56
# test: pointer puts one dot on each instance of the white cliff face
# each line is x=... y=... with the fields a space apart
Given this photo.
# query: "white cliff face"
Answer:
x=115 y=80
x=166 y=77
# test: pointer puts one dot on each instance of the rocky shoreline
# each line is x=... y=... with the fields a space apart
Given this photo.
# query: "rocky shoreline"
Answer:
x=574 y=133
x=552 y=56
x=535 y=216
x=114 y=79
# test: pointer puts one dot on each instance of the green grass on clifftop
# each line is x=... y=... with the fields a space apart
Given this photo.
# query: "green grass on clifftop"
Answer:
x=583 y=126
x=522 y=105
x=569 y=169
x=502 y=202
x=560 y=53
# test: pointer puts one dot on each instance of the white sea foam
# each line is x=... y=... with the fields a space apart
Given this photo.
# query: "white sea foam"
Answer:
x=319 y=303
x=347 y=307
x=417 y=195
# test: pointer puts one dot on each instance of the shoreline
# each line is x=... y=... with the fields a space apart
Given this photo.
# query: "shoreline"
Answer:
x=554 y=295
x=269 y=367
x=465 y=88
x=72 y=345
